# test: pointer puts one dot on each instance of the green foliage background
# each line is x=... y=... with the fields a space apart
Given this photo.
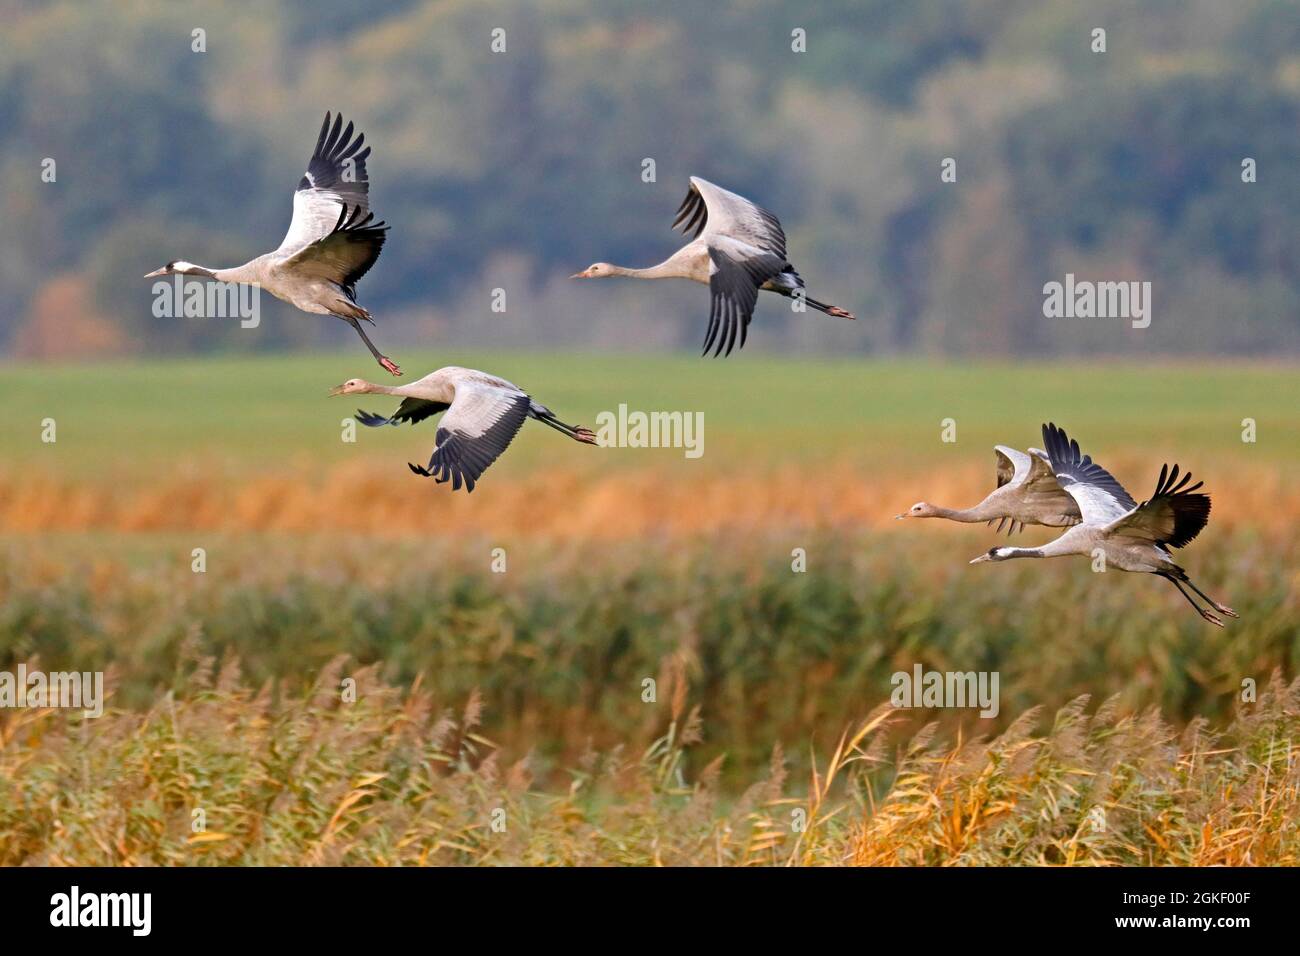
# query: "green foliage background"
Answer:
x=516 y=169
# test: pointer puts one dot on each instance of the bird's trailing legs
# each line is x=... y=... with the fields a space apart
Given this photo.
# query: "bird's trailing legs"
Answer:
x=834 y=310
x=1204 y=612
x=1221 y=608
x=792 y=291
x=384 y=361
x=576 y=432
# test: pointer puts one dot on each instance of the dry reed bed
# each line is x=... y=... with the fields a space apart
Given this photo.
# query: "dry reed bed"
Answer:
x=395 y=779
x=382 y=498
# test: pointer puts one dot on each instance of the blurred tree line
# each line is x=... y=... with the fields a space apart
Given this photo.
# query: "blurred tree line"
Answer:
x=515 y=169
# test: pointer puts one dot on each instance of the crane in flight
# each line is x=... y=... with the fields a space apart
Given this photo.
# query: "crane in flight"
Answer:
x=1027 y=492
x=332 y=240
x=738 y=250
x=483 y=415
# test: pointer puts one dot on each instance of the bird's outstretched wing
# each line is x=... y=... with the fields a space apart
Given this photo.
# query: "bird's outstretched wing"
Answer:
x=735 y=275
x=713 y=211
x=482 y=421
x=1172 y=516
x=336 y=178
x=411 y=410
x=345 y=253
x=1012 y=469
x=1042 y=485
x=1040 y=468
x=1102 y=499
x=1013 y=465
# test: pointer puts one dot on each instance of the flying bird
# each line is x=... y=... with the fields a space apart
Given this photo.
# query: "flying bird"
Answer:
x=1131 y=536
x=738 y=249
x=483 y=415
x=1027 y=492
x=332 y=240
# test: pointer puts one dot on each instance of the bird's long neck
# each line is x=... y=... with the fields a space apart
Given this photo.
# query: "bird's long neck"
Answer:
x=402 y=391
x=1025 y=553
x=203 y=272
x=971 y=515
x=1067 y=544
x=248 y=272
x=667 y=269
x=237 y=274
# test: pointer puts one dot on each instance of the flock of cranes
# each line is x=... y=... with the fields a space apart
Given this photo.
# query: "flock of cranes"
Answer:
x=1062 y=487
x=738 y=249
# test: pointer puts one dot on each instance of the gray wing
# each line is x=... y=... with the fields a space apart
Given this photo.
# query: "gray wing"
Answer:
x=736 y=273
x=345 y=253
x=481 y=423
x=336 y=184
x=714 y=211
x=1102 y=499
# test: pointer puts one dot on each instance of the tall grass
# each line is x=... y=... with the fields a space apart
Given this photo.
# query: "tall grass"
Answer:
x=224 y=773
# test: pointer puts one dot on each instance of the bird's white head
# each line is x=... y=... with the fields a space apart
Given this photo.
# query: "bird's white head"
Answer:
x=178 y=266
x=922 y=509
x=353 y=386
x=597 y=270
x=995 y=554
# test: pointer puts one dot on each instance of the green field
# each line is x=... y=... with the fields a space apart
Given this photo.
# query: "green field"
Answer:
x=128 y=418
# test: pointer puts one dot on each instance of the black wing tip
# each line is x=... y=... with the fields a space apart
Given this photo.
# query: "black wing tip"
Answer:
x=371 y=420
x=691 y=212
x=1191 y=506
x=721 y=333
x=1061 y=448
x=358 y=228
x=1169 y=484
x=336 y=146
x=1191 y=515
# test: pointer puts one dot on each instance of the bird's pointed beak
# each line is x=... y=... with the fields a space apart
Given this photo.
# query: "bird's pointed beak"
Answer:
x=156 y=273
x=900 y=517
x=336 y=390
x=981 y=559
x=580 y=275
